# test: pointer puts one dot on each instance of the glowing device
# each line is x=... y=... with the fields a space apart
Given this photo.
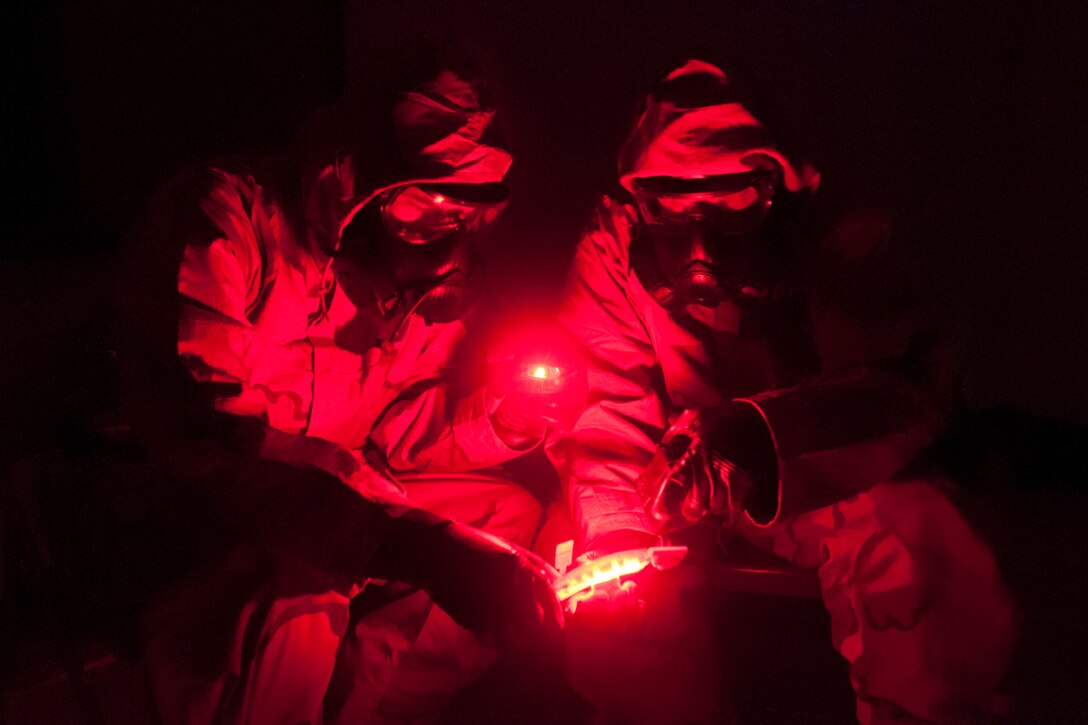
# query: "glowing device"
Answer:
x=610 y=568
x=542 y=372
x=541 y=378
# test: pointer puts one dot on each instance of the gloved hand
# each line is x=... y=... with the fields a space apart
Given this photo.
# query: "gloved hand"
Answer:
x=527 y=398
x=616 y=606
x=490 y=586
x=494 y=587
x=303 y=450
x=514 y=418
x=742 y=455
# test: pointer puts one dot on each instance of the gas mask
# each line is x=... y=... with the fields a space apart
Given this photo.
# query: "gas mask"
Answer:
x=701 y=240
x=417 y=245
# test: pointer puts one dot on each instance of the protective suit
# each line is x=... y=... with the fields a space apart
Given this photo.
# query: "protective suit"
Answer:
x=830 y=357
x=313 y=417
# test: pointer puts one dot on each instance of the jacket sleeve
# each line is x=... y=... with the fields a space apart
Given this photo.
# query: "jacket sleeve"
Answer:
x=219 y=281
x=440 y=419
x=600 y=458
x=886 y=384
x=288 y=499
x=430 y=428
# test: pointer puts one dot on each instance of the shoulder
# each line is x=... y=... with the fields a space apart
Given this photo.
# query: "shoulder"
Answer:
x=216 y=208
x=219 y=185
x=608 y=235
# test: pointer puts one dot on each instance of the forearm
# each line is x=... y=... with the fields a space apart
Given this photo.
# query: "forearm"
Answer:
x=597 y=471
x=607 y=511
x=420 y=436
x=827 y=438
x=408 y=552
x=297 y=512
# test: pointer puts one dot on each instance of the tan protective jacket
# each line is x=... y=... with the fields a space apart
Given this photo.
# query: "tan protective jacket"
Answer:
x=848 y=382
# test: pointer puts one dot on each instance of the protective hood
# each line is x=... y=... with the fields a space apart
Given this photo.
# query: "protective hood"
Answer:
x=434 y=133
x=694 y=125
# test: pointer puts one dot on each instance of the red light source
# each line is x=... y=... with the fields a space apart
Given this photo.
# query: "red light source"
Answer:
x=543 y=372
x=538 y=373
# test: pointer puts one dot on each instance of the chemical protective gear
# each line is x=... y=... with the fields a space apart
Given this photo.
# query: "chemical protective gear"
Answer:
x=823 y=380
x=417 y=244
x=274 y=327
x=702 y=240
x=408 y=203
x=849 y=385
x=720 y=461
x=422 y=214
x=295 y=366
x=704 y=172
x=731 y=204
x=457 y=564
x=436 y=281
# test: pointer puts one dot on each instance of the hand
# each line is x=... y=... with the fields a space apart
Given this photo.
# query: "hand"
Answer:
x=514 y=420
x=742 y=454
x=615 y=606
x=303 y=450
x=529 y=398
x=494 y=588
x=536 y=377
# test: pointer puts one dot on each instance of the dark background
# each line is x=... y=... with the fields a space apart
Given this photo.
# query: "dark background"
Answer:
x=965 y=121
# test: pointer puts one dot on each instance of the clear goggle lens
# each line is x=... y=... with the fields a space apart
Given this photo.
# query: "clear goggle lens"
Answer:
x=732 y=204
x=421 y=214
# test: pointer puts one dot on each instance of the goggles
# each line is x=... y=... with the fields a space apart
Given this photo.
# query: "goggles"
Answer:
x=420 y=213
x=730 y=203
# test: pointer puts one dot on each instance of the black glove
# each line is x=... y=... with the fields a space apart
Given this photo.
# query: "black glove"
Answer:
x=742 y=455
x=488 y=585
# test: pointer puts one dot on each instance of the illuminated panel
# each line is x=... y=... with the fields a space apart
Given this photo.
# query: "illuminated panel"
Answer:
x=606 y=569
